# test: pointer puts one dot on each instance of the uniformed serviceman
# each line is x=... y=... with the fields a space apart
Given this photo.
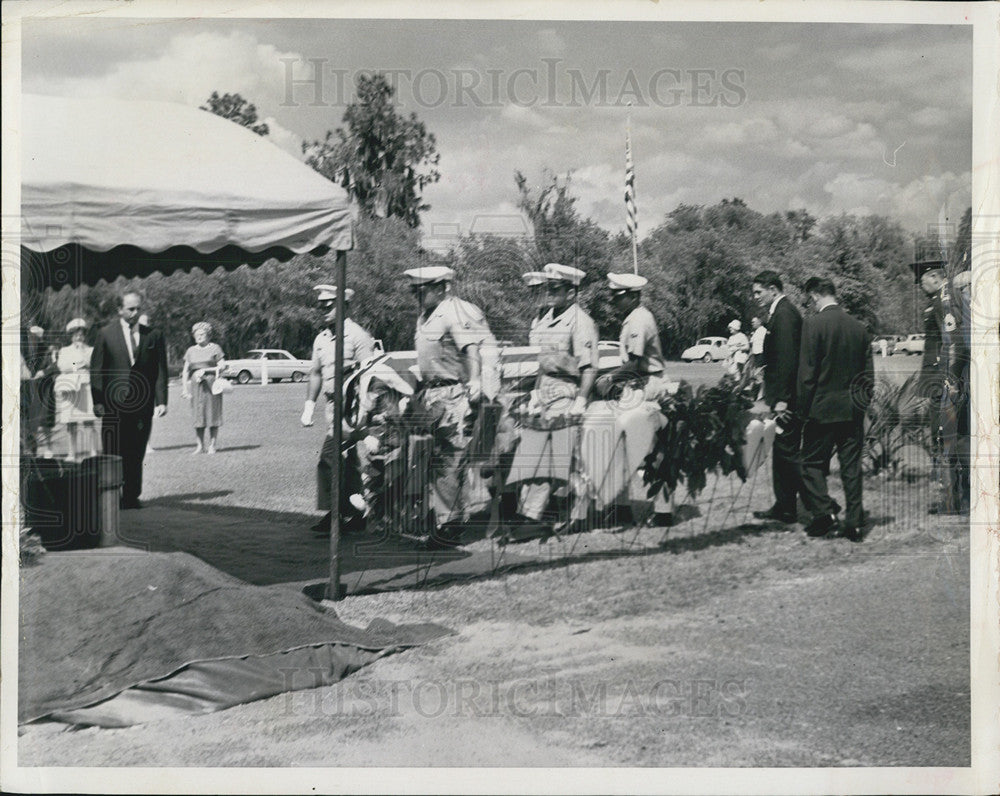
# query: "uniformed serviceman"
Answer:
x=642 y=356
x=358 y=347
x=449 y=335
x=567 y=367
x=639 y=339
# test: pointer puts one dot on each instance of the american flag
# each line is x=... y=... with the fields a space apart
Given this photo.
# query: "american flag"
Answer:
x=629 y=186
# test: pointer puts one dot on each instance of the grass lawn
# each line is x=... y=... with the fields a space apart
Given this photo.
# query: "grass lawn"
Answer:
x=723 y=643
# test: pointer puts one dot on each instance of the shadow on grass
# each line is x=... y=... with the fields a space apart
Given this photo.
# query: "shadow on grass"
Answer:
x=267 y=547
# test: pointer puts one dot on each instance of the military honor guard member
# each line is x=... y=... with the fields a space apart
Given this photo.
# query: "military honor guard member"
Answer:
x=358 y=347
x=449 y=335
x=639 y=338
x=642 y=355
x=567 y=367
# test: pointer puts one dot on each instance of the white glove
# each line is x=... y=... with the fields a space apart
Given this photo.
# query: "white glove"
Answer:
x=307 y=413
x=579 y=406
x=475 y=390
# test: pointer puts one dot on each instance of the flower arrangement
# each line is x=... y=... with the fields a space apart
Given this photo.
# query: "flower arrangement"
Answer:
x=705 y=432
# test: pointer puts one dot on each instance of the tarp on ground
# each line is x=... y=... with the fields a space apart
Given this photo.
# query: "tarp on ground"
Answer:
x=111 y=187
x=94 y=625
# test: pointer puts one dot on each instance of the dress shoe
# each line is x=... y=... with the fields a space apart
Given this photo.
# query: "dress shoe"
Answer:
x=775 y=514
x=132 y=503
x=322 y=527
x=852 y=534
x=821 y=525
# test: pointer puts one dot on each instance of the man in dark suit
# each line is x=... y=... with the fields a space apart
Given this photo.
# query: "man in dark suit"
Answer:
x=836 y=378
x=781 y=364
x=128 y=381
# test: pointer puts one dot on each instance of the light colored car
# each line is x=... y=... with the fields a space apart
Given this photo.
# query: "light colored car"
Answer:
x=707 y=349
x=913 y=344
x=890 y=341
x=280 y=365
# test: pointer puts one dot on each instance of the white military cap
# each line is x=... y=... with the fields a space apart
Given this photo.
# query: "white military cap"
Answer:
x=76 y=323
x=734 y=325
x=327 y=292
x=429 y=275
x=620 y=283
x=554 y=272
x=533 y=278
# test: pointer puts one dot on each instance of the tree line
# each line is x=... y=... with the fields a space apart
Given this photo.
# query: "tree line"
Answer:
x=699 y=260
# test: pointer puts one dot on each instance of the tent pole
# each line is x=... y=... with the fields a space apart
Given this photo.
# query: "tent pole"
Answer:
x=333 y=589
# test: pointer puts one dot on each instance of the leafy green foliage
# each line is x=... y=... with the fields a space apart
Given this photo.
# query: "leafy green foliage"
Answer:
x=383 y=159
x=897 y=418
x=236 y=109
x=705 y=432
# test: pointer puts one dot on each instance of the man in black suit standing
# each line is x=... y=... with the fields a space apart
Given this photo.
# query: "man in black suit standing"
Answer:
x=781 y=364
x=836 y=378
x=128 y=382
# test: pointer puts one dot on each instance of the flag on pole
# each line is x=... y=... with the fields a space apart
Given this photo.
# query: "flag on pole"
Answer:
x=629 y=186
x=630 y=221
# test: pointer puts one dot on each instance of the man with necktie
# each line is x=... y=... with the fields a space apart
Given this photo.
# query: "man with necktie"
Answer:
x=128 y=383
x=781 y=367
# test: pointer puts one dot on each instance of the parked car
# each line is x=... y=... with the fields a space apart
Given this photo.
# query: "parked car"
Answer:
x=707 y=349
x=280 y=365
x=890 y=343
x=913 y=344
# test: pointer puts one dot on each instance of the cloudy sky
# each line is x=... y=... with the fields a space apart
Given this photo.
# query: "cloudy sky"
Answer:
x=856 y=118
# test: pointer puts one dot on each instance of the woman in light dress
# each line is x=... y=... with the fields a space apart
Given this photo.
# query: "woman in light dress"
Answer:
x=202 y=364
x=74 y=405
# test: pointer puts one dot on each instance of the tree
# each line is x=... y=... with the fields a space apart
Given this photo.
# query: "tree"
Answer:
x=236 y=109
x=382 y=159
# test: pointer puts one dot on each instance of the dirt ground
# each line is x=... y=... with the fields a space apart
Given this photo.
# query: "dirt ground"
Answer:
x=731 y=644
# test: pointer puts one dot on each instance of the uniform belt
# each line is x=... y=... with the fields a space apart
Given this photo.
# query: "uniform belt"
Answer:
x=439 y=383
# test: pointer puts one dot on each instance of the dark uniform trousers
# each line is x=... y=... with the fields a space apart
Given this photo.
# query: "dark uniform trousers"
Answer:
x=350 y=477
x=818 y=443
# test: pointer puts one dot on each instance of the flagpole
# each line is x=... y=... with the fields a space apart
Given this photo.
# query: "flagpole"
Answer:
x=630 y=215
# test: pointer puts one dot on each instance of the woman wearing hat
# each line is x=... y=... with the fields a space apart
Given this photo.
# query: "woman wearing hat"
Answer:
x=202 y=363
x=739 y=348
x=74 y=405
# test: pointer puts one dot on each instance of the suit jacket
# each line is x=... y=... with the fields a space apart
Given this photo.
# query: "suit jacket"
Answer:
x=781 y=353
x=120 y=386
x=836 y=370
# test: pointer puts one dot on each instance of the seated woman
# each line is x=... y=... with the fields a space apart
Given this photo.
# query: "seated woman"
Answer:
x=202 y=364
x=74 y=405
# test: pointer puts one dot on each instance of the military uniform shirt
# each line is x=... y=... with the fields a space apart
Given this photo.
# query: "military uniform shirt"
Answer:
x=568 y=341
x=439 y=340
x=358 y=346
x=640 y=338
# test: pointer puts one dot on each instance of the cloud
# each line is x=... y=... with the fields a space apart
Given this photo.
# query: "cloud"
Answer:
x=188 y=70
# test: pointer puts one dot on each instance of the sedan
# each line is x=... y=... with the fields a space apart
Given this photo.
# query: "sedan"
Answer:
x=913 y=344
x=280 y=365
x=707 y=349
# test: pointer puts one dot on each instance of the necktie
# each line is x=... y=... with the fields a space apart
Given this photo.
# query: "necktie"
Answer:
x=131 y=342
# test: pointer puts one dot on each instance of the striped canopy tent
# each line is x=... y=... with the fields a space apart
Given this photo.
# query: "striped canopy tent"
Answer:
x=112 y=188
